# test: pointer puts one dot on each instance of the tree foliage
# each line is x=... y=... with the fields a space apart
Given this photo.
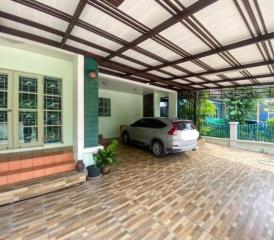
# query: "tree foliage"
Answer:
x=239 y=107
x=206 y=109
x=186 y=109
x=270 y=121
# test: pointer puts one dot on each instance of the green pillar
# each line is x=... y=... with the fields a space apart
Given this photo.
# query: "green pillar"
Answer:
x=90 y=104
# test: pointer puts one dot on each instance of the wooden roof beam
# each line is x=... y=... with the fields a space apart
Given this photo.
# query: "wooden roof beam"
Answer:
x=234 y=68
x=107 y=63
x=231 y=46
x=79 y=9
x=197 y=6
x=267 y=75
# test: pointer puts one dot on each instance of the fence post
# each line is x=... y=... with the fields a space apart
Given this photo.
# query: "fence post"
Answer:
x=233 y=130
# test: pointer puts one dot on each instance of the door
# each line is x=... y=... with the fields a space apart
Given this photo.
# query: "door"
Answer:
x=5 y=109
x=27 y=110
x=148 y=105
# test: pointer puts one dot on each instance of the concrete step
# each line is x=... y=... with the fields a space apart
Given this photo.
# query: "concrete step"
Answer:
x=23 y=190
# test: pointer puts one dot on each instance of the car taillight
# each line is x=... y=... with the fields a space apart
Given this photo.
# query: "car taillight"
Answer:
x=173 y=130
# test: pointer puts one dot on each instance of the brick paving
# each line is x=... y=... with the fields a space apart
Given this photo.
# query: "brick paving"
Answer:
x=214 y=193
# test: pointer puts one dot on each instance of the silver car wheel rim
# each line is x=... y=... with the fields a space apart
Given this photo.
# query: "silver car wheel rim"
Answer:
x=157 y=148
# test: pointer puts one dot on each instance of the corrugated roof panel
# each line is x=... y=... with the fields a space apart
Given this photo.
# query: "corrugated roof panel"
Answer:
x=184 y=38
x=86 y=48
x=267 y=9
x=64 y=6
x=247 y=54
x=33 y=15
x=187 y=3
x=195 y=79
x=95 y=38
x=266 y=80
x=225 y=84
x=107 y=23
x=258 y=70
x=141 y=57
x=210 y=85
x=159 y=74
x=158 y=49
x=174 y=71
x=223 y=21
x=244 y=82
x=128 y=63
x=150 y=13
x=180 y=81
x=215 y=61
x=26 y=28
x=191 y=67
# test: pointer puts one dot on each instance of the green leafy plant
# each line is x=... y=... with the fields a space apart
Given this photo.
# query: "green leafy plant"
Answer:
x=270 y=121
x=106 y=156
x=239 y=107
x=206 y=109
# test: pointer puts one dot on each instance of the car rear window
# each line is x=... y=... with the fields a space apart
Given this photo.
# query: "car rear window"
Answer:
x=182 y=125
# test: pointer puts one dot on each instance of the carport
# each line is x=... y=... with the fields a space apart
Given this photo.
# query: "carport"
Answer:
x=82 y=69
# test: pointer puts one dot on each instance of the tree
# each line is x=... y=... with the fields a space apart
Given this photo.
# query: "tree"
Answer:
x=239 y=107
x=207 y=108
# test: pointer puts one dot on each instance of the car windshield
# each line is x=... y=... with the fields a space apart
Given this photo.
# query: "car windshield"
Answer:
x=182 y=125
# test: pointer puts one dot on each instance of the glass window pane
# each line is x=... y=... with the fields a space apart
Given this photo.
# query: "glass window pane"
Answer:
x=28 y=118
x=27 y=84
x=3 y=99
x=104 y=108
x=52 y=86
x=52 y=118
x=52 y=103
x=28 y=101
x=52 y=134
x=27 y=134
x=3 y=82
x=3 y=127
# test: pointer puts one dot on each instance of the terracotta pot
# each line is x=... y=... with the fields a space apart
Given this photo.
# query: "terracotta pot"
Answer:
x=80 y=166
x=105 y=170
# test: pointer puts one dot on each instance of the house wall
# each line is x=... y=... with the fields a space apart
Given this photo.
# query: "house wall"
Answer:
x=32 y=62
x=172 y=101
x=125 y=109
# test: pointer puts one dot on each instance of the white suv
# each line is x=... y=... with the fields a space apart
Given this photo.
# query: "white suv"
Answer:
x=162 y=135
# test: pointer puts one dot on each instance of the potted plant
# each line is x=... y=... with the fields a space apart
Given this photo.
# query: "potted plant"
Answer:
x=106 y=157
x=93 y=171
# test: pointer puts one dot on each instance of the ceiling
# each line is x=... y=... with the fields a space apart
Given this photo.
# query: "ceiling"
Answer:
x=109 y=83
x=175 y=44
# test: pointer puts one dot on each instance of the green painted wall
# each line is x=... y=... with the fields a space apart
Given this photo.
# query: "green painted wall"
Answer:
x=90 y=105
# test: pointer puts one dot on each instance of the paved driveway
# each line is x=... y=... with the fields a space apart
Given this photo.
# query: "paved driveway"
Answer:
x=213 y=193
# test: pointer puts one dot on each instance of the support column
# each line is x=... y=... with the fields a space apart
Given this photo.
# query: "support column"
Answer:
x=233 y=129
x=86 y=111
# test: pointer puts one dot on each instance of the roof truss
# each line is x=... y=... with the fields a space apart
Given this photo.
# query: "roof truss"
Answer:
x=170 y=74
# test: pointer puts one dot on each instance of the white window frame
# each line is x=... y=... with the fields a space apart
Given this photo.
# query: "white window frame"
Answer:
x=13 y=110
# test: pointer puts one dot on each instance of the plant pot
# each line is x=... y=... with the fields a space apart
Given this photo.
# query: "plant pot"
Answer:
x=93 y=171
x=105 y=170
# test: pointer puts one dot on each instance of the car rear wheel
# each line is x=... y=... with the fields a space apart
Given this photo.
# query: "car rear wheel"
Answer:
x=125 y=138
x=158 y=149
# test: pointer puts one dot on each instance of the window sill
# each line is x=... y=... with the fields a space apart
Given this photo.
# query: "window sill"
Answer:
x=45 y=146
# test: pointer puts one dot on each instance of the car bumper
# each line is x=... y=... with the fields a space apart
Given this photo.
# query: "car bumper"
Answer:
x=174 y=149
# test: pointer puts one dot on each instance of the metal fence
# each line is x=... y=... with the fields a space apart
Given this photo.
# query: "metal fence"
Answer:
x=212 y=130
x=256 y=132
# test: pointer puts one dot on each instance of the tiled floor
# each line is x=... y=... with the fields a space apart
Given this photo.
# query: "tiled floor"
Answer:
x=194 y=195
